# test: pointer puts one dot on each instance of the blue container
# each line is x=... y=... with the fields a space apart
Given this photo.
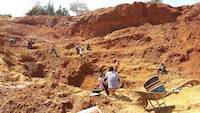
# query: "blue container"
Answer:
x=159 y=89
x=154 y=85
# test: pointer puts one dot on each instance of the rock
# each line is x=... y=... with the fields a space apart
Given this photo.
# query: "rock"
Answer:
x=35 y=69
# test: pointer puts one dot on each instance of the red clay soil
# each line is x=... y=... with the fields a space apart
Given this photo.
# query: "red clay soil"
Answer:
x=140 y=36
x=41 y=99
x=103 y=21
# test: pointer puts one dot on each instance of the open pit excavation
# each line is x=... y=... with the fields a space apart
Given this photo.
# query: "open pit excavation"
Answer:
x=51 y=64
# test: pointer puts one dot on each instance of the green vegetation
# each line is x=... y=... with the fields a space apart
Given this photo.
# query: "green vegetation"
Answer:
x=155 y=1
x=8 y=15
x=47 y=10
x=62 y=11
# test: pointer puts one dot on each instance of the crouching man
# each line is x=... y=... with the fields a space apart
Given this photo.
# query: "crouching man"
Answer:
x=112 y=79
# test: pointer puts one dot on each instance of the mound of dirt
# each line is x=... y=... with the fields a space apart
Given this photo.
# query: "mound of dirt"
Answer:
x=103 y=21
x=38 y=98
x=189 y=13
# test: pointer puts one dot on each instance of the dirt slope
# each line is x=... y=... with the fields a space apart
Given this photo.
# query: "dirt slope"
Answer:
x=140 y=36
x=103 y=21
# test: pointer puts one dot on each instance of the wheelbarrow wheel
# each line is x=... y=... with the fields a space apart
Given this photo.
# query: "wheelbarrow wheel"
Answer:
x=142 y=102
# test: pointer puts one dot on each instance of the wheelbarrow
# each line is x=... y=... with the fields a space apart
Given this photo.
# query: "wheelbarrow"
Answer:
x=147 y=97
x=155 y=92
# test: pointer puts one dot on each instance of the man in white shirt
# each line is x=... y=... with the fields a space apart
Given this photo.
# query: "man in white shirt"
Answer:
x=112 y=78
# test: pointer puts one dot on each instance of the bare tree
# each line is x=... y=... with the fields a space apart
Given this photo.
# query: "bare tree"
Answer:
x=78 y=7
x=62 y=11
x=155 y=1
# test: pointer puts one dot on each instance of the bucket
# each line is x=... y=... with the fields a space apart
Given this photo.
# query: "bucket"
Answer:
x=154 y=85
x=159 y=89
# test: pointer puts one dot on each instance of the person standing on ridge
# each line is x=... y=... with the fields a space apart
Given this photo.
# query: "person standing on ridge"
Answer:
x=53 y=50
x=162 y=69
x=30 y=44
x=81 y=53
x=77 y=49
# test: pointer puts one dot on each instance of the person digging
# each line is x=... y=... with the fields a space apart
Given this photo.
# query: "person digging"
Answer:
x=53 y=50
x=29 y=44
x=162 y=69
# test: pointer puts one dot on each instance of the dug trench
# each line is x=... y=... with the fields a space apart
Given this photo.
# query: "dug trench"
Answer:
x=70 y=71
x=84 y=74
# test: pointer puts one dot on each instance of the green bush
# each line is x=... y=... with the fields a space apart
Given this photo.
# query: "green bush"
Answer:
x=155 y=1
x=37 y=10
x=47 y=10
x=8 y=15
x=62 y=12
